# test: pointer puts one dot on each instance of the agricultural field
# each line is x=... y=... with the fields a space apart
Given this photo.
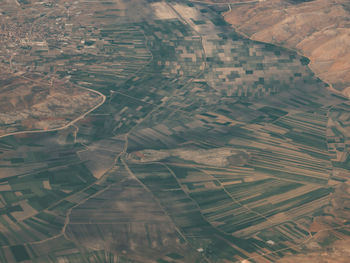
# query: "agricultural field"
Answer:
x=150 y=131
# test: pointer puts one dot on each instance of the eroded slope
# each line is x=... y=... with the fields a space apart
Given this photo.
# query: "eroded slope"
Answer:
x=319 y=29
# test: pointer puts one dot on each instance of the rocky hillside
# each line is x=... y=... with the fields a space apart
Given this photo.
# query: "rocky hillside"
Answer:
x=319 y=29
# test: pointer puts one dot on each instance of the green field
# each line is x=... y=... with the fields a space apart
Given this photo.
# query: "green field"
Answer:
x=210 y=147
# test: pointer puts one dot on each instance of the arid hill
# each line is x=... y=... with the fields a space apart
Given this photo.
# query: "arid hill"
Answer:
x=338 y=254
x=319 y=29
x=35 y=93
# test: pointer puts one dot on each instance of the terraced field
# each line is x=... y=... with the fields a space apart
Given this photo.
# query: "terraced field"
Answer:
x=209 y=147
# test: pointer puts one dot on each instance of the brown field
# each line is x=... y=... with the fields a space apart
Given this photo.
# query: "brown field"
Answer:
x=318 y=29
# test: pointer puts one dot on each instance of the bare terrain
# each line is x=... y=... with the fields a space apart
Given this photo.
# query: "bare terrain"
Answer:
x=339 y=253
x=34 y=97
x=150 y=131
x=27 y=105
x=319 y=29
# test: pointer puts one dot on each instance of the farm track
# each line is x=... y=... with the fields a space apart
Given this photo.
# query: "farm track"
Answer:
x=120 y=158
x=331 y=89
x=50 y=84
x=223 y=3
x=68 y=124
